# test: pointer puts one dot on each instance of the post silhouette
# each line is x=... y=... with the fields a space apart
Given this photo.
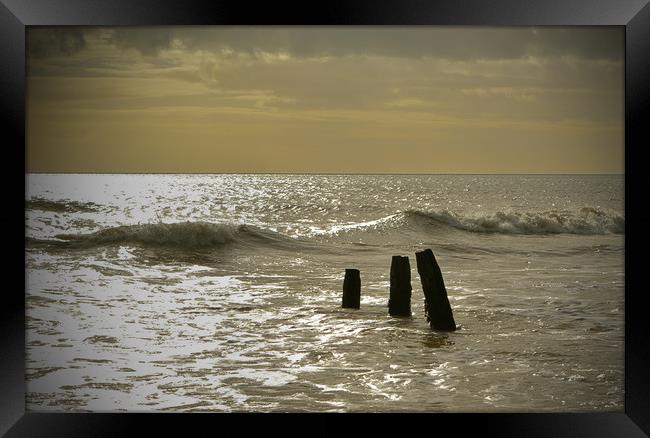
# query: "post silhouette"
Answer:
x=436 y=302
x=399 y=303
x=352 y=289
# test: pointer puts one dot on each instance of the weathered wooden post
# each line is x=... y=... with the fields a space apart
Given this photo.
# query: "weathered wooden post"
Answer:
x=436 y=303
x=399 y=303
x=352 y=289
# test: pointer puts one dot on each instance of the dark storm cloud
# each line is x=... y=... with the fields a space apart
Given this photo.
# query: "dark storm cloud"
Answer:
x=47 y=42
x=411 y=42
x=405 y=42
x=581 y=42
x=56 y=41
x=149 y=41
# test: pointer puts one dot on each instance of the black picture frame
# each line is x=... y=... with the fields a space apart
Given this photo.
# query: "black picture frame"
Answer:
x=15 y=15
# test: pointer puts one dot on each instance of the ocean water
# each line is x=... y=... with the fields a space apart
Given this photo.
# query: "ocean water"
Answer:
x=223 y=293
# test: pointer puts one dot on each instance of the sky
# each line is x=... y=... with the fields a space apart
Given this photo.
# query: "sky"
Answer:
x=229 y=99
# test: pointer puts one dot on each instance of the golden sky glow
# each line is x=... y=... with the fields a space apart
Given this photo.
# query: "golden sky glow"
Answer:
x=326 y=99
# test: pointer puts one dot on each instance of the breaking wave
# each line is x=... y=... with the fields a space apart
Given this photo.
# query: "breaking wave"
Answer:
x=186 y=235
x=198 y=235
x=587 y=221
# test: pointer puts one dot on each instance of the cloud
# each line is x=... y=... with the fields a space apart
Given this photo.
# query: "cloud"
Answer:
x=313 y=89
x=521 y=94
x=448 y=42
x=147 y=40
x=533 y=77
x=402 y=42
x=53 y=42
x=408 y=103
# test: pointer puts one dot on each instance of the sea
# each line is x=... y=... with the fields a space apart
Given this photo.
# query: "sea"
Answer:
x=222 y=292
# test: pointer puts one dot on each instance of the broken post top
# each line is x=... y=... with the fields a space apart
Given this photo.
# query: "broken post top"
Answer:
x=436 y=302
x=423 y=258
x=351 y=271
x=400 y=272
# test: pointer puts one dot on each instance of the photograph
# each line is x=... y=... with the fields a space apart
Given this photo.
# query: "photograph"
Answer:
x=325 y=219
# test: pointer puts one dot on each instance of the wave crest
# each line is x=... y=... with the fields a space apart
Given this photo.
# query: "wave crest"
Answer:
x=587 y=220
x=186 y=235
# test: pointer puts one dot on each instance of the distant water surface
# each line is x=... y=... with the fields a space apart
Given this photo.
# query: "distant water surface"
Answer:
x=223 y=293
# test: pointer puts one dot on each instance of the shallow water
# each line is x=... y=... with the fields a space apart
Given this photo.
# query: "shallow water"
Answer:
x=223 y=293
